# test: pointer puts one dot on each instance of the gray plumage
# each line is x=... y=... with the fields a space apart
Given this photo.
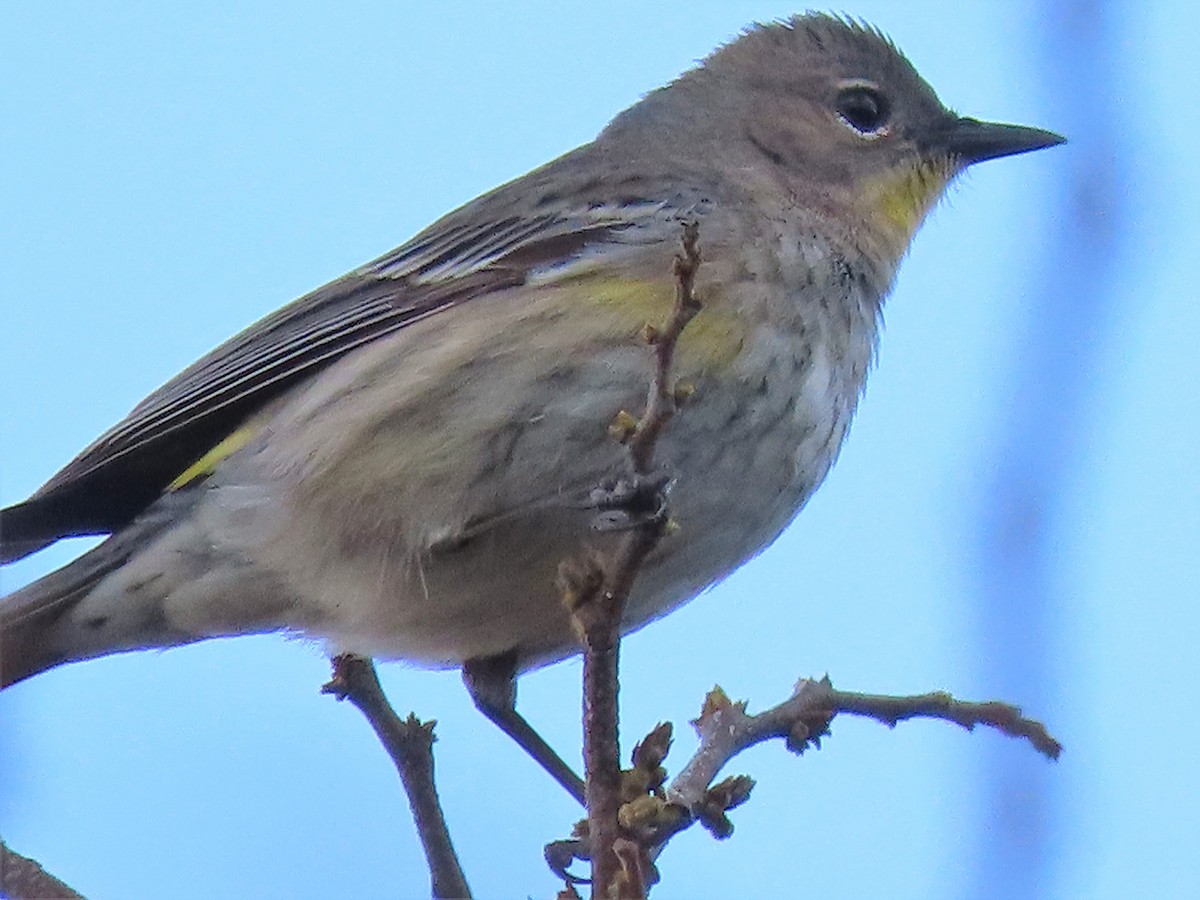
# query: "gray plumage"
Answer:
x=413 y=441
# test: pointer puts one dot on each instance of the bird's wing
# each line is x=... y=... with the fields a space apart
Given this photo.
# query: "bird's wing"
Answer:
x=463 y=257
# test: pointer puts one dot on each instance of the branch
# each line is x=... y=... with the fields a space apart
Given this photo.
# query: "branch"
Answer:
x=409 y=742
x=1004 y=717
x=23 y=879
x=653 y=814
x=803 y=719
x=725 y=730
x=662 y=401
x=596 y=591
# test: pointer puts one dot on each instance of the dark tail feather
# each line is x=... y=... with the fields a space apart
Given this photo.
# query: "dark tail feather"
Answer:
x=28 y=616
x=28 y=527
x=11 y=551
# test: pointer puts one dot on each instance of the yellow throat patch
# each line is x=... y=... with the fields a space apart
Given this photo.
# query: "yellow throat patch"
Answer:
x=897 y=202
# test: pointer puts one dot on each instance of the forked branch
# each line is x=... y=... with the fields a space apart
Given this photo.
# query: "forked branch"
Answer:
x=596 y=590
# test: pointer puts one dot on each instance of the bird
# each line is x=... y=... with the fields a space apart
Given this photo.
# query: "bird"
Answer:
x=396 y=464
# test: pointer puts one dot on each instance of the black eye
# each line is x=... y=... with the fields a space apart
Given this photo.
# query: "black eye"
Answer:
x=863 y=108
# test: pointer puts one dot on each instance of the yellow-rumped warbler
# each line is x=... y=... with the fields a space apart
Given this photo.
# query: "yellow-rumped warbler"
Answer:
x=396 y=463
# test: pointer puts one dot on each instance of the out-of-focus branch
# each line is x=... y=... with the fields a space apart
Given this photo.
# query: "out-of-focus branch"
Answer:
x=23 y=879
x=1069 y=301
x=409 y=742
x=596 y=591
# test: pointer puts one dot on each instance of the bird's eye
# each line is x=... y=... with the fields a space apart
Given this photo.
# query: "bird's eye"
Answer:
x=864 y=109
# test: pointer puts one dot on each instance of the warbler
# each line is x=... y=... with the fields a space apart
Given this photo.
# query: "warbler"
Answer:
x=396 y=464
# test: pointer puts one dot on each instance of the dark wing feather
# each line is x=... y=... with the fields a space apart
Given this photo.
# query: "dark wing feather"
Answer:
x=455 y=261
x=124 y=470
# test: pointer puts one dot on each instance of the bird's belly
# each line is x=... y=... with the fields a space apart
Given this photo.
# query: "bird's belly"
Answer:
x=436 y=582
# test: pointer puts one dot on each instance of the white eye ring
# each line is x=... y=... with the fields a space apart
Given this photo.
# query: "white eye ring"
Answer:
x=862 y=107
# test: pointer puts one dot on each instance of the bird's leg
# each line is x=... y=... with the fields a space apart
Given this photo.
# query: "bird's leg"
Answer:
x=492 y=683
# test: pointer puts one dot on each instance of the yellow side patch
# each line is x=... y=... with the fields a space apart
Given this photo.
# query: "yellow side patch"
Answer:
x=712 y=340
x=205 y=465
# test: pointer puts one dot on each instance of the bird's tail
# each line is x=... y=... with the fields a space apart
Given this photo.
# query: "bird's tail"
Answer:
x=32 y=636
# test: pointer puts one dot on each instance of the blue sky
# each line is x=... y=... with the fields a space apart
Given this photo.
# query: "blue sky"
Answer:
x=170 y=174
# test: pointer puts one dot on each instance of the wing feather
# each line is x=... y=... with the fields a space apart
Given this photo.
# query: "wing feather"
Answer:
x=462 y=258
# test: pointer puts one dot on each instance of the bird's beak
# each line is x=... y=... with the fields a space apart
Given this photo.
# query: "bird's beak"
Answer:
x=973 y=141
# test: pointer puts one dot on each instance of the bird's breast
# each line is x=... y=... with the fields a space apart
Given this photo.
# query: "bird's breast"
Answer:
x=430 y=488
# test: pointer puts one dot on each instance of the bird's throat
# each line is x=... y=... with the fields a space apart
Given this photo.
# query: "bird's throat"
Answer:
x=896 y=203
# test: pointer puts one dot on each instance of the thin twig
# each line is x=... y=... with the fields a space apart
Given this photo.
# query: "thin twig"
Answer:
x=726 y=730
x=409 y=742
x=656 y=814
x=21 y=878
x=661 y=403
x=1003 y=717
x=596 y=595
x=623 y=835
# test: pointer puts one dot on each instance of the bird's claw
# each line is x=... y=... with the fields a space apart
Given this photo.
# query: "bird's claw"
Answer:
x=631 y=501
